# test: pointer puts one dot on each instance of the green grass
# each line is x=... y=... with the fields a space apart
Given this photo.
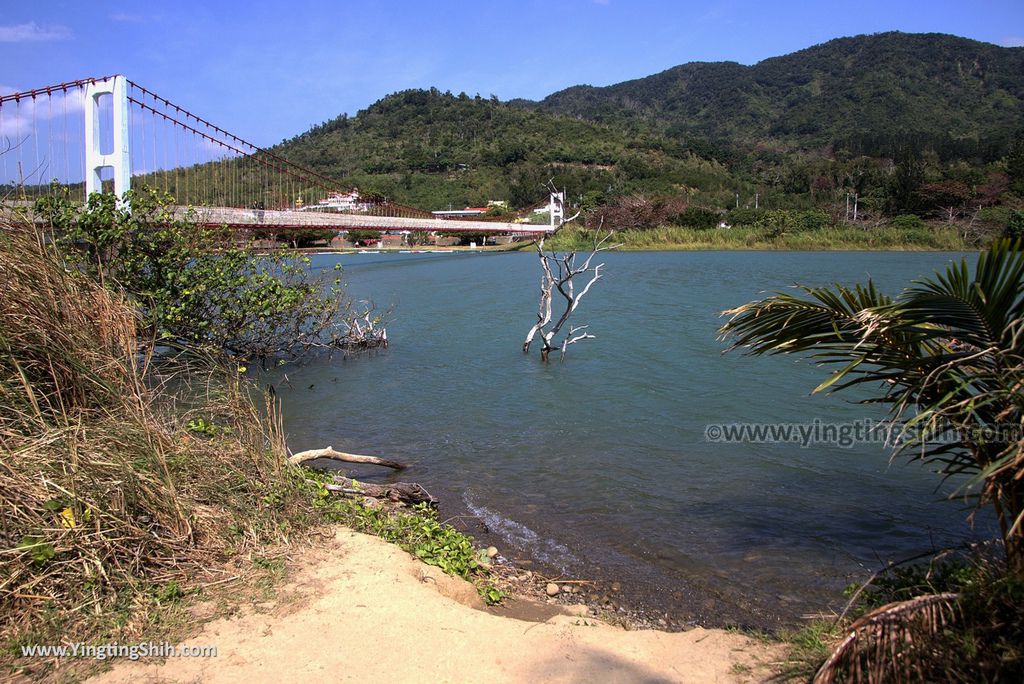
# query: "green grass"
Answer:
x=837 y=238
x=808 y=648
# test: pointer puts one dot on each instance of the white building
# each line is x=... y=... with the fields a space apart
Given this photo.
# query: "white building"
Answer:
x=340 y=201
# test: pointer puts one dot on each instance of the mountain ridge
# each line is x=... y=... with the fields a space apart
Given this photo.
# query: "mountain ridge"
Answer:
x=709 y=131
x=843 y=89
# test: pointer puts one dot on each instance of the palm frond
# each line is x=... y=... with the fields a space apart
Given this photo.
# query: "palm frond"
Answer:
x=976 y=309
x=947 y=353
x=786 y=323
x=891 y=643
x=853 y=326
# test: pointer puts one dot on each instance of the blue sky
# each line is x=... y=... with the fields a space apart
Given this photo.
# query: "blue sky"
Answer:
x=269 y=70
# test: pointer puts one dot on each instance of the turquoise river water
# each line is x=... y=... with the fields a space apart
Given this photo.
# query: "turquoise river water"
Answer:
x=600 y=467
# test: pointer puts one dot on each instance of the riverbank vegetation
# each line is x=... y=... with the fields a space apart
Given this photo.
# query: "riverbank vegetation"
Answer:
x=947 y=357
x=140 y=470
x=578 y=238
x=117 y=490
x=196 y=286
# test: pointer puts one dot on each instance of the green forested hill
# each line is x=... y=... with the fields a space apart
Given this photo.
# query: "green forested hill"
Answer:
x=432 y=149
x=879 y=115
x=865 y=93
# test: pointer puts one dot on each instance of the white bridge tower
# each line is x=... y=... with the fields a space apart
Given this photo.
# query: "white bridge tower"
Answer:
x=119 y=158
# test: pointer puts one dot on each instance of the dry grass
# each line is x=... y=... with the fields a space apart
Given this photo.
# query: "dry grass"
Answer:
x=120 y=478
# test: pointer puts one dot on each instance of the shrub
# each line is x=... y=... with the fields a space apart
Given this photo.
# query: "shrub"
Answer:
x=636 y=211
x=110 y=501
x=776 y=222
x=698 y=217
x=306 y=237
x=907 y=222
x=358 y=236
x=195 y=285
x=812 y=219
x=417 y=530
x=981 y=635
x=997 y=216
x=464 y=237
x=1014 y=226
x=744 y=217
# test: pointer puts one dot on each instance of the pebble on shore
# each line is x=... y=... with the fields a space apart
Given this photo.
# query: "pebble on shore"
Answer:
x=552 y=589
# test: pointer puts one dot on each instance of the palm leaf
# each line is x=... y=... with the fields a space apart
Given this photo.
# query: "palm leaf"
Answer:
x=852 y=326
x=948 y=352
x=978 y=308
x=891 y=643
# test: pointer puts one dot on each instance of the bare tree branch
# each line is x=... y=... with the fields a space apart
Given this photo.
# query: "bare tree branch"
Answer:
x=558 y=274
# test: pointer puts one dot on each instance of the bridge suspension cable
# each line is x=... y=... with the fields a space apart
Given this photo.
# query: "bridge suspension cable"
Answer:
x=68 y=133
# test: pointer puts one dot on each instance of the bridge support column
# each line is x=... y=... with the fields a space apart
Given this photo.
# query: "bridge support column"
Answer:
x=556 y=207
x=119 y=158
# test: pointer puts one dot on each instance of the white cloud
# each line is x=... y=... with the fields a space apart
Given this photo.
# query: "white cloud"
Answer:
x=19 y=118
x=32 y=32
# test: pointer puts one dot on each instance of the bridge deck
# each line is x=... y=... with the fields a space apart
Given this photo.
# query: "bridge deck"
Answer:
x=268 y=219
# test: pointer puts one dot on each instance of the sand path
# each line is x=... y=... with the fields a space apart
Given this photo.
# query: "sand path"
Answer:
x=364 y=610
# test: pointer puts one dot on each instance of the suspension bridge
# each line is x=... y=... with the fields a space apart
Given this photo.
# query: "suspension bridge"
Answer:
x=111 y=134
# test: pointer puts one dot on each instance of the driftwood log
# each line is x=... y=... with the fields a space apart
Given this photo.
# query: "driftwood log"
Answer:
x=330 y=453
x=404 y=492
x=396 y=492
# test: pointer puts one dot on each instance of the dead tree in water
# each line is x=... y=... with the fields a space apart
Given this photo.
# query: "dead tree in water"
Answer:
x=558 y=272
x=363 y=330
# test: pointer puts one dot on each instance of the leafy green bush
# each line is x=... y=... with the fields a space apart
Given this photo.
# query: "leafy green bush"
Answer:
x=1014 y=226
x=777 y=222
x=744 y=217
x=418 y=531
x=306 y=237
x=120 y=481
x=466 y=237
x=363 y=235
x=698 y=217
x=812 y=219
x=907 y=222
x=983 y=638
x=997 y=215
x=195 y=285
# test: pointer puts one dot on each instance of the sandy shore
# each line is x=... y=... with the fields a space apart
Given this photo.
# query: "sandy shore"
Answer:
x=362 y=609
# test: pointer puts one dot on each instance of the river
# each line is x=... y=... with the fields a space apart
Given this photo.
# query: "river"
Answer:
x=599 y=466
